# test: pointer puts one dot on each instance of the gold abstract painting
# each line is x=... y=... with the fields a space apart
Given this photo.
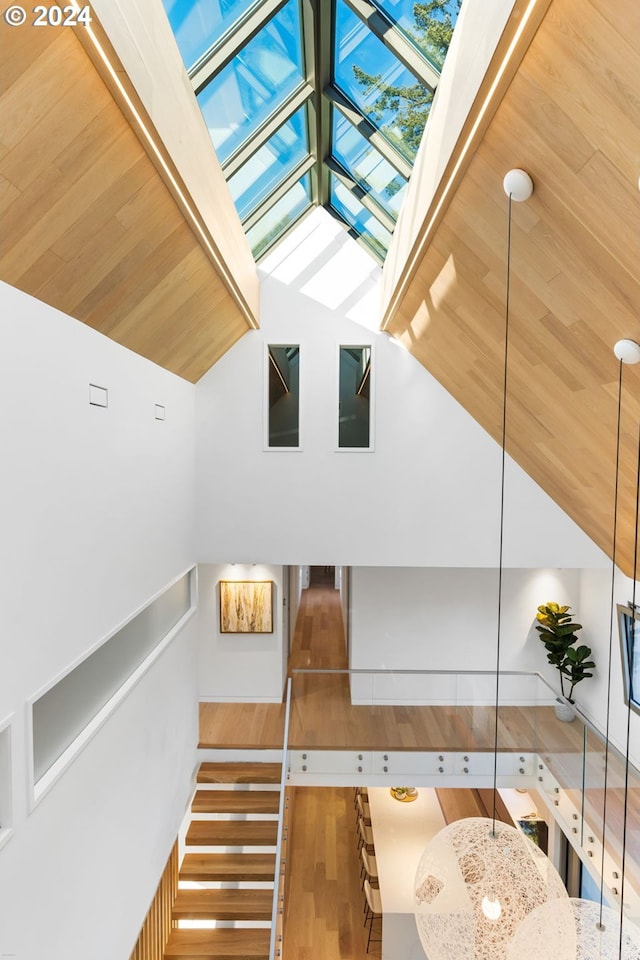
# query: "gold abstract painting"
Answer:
x=246 y=606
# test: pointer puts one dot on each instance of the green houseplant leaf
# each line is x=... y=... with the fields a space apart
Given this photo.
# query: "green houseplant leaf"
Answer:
x=559 y=634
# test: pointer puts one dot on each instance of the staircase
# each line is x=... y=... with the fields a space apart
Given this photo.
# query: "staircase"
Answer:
x=226 y=879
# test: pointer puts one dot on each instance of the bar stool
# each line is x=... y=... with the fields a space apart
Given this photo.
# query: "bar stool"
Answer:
x=365 y=836
x=362 y=810
x=373 y=910
x=369 y=869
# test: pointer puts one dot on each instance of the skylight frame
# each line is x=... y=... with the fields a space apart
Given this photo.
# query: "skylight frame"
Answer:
x=318 y=93
x=283 y=173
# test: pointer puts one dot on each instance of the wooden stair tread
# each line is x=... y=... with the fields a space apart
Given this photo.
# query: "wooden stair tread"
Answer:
x=225 y=943
x=236 y=801
x=228 y=866
x=234 y=833
x=209 y=772
x=235 y=904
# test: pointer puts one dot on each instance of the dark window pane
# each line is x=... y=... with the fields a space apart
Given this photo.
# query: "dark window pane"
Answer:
x=284 y=396
x=354 y=401
x=630 y=642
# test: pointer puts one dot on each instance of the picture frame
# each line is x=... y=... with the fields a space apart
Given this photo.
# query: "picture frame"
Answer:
x=246 y=606
x=536 y=830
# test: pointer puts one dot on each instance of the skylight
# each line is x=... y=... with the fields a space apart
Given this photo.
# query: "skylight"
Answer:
x=315 y=102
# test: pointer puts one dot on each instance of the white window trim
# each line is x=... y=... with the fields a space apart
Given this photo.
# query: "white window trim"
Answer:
x=372 y=394
x=265 y=404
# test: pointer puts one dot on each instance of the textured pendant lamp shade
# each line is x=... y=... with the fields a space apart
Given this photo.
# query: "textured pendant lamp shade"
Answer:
x=474 y=887
x=571 y=930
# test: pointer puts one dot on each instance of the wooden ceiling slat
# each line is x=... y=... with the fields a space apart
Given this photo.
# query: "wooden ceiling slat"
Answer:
x=78 y=189
x=29 y=98
x=589 y=72
x=571 y=118
x=89 y=224
x=110 y=306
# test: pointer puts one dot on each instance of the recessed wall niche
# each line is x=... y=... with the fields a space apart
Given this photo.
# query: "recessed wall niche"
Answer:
x=63 y=714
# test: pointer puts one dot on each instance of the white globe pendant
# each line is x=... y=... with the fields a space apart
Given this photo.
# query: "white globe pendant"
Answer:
x=570 y=930
x=473 y=888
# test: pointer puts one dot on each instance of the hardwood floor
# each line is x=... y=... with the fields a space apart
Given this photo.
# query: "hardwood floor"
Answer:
x=324 y=919
x=323 y=716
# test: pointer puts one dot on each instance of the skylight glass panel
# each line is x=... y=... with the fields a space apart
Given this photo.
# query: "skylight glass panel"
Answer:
x=270 y=165
x=199 y=24
x=428 y=26
x=358 y=217
x=388 y=94
x=367 y=166
x=281 y=215
x=256 y=82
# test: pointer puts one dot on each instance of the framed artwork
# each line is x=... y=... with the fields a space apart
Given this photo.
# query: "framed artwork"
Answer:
x=246 y=606
x=536 y=830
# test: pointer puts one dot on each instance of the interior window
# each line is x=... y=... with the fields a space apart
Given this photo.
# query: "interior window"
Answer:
x=354 y=404
x=284 y=396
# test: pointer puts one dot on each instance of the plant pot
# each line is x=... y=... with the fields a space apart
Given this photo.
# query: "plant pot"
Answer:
x=564 y=709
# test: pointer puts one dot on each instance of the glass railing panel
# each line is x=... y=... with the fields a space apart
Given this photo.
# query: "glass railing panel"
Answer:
x=606 y=823
x=410 y=710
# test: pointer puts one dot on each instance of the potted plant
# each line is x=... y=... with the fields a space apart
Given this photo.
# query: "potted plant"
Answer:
x=559 y=635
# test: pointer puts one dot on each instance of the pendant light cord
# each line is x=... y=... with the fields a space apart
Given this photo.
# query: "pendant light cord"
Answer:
x=628 y=740
x=500 y=550
x=613 y=578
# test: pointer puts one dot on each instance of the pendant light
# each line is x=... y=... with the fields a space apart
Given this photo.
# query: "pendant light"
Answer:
x=584 y=929
x=479 y=878
x=571 y=929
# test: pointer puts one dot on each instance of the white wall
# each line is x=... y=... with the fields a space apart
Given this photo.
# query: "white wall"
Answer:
x=602 y=634
x=428 y=495
x=438 y=619
x=96 y=518
x=234 y=666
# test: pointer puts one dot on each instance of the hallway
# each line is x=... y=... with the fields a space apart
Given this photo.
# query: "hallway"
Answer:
x=319 y=635
x=325 y=900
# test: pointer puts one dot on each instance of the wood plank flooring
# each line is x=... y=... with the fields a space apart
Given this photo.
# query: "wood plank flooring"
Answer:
x=323 y=716
x=324 y=919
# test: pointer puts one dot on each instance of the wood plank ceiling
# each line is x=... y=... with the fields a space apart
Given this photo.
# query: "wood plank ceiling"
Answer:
x=571 y=118
x=89 y=225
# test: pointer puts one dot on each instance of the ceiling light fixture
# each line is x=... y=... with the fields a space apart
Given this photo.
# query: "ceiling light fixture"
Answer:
x=479 y=878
